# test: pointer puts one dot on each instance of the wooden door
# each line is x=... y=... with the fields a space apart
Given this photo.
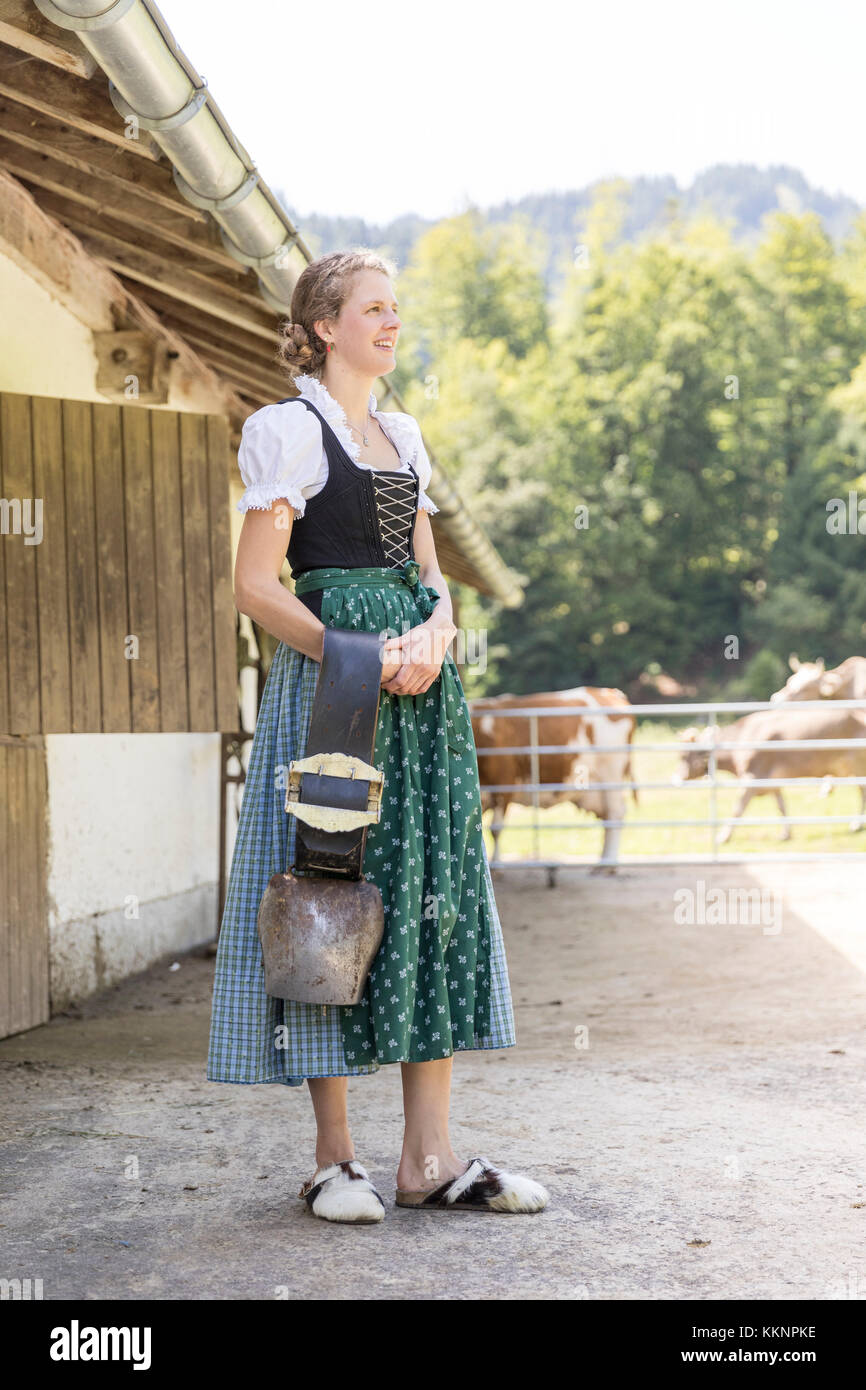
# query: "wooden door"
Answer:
x=23 y=907
x=116 y=610
x=116 y=616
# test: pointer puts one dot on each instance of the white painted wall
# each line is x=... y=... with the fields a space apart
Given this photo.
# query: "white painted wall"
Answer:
x=133 y=835
x=44 y=350
x=132 y=818
x=130 y=814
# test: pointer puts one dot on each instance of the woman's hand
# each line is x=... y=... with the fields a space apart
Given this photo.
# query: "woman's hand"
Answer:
x=411 y=662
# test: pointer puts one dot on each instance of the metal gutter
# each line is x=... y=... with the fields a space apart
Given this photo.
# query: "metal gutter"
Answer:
x=153 y=84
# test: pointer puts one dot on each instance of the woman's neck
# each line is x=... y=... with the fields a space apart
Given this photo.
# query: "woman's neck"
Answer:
x=351 y=391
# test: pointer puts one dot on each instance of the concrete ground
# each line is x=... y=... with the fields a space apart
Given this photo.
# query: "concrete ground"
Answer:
x=691 y=1094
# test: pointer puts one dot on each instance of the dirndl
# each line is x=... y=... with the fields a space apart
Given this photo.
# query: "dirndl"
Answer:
x=439 y=981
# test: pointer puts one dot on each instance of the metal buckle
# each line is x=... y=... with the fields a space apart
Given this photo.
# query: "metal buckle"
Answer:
x=334 y=818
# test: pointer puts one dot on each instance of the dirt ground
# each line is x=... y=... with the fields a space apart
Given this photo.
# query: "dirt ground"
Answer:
x=692 y=1095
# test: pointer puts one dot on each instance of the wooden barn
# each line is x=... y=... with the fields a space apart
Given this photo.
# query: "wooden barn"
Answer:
x=144 y=266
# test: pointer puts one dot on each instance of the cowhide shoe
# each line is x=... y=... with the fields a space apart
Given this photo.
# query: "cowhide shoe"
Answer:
x=481 y=1188
x=343 y=1192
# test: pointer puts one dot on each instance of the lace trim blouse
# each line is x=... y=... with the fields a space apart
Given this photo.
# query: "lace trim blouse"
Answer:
x=282 y=455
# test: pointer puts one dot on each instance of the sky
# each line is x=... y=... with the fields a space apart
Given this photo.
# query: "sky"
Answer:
x=382 y=109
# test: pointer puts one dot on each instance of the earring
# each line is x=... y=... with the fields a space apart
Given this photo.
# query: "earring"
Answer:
x=330 y=347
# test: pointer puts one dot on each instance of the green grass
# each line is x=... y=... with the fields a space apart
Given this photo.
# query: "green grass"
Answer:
x=691 y=801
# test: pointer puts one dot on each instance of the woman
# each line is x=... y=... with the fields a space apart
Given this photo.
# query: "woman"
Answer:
x=339 y=486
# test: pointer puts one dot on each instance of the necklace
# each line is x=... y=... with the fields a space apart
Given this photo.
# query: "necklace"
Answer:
x=361 y=432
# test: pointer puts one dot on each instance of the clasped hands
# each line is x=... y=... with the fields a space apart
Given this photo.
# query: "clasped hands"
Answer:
x=412 y=661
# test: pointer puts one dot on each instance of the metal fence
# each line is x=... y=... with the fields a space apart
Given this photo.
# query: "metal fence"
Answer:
x=710 y=781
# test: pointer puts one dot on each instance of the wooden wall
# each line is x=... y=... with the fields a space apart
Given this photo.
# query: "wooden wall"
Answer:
x=136 y=545
x=23 y=907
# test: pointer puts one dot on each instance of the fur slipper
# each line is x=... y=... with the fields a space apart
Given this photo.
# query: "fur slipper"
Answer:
x=481 y=1188
x=343 y=1192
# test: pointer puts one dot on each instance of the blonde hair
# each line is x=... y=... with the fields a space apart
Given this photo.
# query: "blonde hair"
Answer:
x=321 y=291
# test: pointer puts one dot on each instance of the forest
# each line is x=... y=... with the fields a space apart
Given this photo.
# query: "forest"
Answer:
x=670 y=448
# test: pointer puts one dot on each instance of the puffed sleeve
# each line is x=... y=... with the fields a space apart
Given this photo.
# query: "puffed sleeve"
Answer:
x=280 y=455
x=424 y=469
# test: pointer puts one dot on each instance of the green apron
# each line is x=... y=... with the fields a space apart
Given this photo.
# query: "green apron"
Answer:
x=428 y=994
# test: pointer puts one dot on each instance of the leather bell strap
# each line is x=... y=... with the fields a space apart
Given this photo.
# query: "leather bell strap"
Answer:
x=344 y=718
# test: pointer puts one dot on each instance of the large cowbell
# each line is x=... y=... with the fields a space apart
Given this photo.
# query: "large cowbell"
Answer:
x=319 y=938
x=320 y=929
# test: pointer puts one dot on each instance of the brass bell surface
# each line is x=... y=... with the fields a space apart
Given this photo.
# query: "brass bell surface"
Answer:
x=319 y=937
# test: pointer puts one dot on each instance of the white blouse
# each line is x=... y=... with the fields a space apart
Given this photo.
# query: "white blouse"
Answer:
x=282 y=453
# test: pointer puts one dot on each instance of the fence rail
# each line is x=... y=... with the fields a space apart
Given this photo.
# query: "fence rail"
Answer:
x=708 y=746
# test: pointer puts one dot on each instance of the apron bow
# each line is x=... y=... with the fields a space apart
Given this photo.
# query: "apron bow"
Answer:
x=409 y=573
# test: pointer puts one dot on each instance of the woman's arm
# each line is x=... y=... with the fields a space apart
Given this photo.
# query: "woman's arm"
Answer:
x=262 y=547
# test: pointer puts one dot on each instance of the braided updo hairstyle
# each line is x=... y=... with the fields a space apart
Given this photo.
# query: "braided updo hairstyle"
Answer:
x=321 y=290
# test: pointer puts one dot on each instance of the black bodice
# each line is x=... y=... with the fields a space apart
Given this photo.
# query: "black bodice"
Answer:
x=360 y=517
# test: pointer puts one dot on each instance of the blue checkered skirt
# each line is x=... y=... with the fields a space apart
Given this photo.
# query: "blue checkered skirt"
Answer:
x=439 y=982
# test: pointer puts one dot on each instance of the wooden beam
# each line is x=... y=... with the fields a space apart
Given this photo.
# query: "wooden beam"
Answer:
x=252 y=353
x=187 y=319
x=187 y=286
x=57 y=148
x=127 y=356
x=231 y=356
x=81 y=213
x=23 y=27
x=85 y=105
x=181 y=276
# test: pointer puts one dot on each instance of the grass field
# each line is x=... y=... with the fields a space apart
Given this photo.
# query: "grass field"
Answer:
x=690 y=801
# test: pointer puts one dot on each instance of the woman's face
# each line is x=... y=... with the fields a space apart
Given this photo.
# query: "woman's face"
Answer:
x=365 y=334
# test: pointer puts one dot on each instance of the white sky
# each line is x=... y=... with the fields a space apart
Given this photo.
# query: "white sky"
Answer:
x=383 y=108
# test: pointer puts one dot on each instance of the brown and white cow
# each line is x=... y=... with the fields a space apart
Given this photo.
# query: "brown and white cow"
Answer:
x=579 y=769
x=810 y=681
x=778 y=726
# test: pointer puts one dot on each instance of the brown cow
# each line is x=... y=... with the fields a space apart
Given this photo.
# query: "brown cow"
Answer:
x=778 y=726
x=578 y=770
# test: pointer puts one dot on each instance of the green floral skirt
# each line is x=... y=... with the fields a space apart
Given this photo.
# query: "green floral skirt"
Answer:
x=439 y=982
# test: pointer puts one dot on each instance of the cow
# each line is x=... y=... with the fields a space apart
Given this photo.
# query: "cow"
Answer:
x=778 y=726
x=809 y=681
x=578 y=769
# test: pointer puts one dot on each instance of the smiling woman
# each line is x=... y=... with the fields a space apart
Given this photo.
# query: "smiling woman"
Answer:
x=339 y=486
x=368 y=313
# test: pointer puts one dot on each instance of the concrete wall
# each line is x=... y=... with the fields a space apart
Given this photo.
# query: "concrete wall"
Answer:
x=133 y=833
